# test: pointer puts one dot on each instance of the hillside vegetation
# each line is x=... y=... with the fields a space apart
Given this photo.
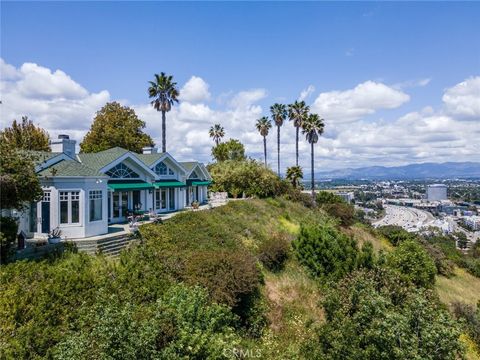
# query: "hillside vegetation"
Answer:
x=258 y=278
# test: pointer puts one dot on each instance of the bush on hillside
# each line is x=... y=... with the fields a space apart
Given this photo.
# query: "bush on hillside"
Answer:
x=444 y=265
x=273 y=252
x=345 y=213
x=325 y=252
x=247 y=177
x=371 y=315
x=327 y=197
x=470 y=318
x=8 y=236
x=413 y=263
x=395 y=234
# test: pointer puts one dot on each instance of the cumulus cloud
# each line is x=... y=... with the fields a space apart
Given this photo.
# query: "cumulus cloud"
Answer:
x=195 y=90
x=246 y=98
x=305 y=94
x=352 y=104
x=463 y=99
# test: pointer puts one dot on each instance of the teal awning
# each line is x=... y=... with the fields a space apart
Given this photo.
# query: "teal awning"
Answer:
x=140 y=185
x=168 y=184
x=201 y=183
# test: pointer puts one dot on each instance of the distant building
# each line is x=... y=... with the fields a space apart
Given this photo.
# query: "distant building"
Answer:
x=473 y=222
x=436 y=192
x=346 y=196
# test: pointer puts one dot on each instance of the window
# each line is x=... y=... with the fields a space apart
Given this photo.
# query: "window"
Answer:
x=194 y=175
x=122 y=171
x=162 y=169
x=95 y=197
x=69 y=207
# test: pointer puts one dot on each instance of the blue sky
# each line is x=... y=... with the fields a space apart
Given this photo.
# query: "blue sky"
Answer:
x=417 y=49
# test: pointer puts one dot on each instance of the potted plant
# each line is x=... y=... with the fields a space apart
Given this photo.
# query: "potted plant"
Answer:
x=54 y=236
x=195 y=205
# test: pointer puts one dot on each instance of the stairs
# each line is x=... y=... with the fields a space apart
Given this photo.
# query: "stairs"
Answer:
x=110 y=246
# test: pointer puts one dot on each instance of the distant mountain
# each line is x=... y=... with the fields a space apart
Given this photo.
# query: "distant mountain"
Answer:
x=447 y=170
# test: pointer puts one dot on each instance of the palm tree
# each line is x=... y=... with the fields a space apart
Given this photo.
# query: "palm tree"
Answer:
x=312 y=128
x=297 y=112
x=263 y=125
x=165 y=94
x=294 y=174
x=216 y=133
x=279 y=114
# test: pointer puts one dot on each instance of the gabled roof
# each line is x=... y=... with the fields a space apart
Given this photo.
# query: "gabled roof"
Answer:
x=149 y=159
x=101 y=159
x=69 y=168
x=189 y=165
x=43 y=156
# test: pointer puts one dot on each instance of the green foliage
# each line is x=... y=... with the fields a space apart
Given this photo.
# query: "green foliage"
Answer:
x=230 y=150
x=470 y=318
x=395 y=234
x=371 y=315
x=444 y=265
x=327 y=197
x=345 y=213
x=116 y=125
x=25 y=136
x=249 y=177
x=18 y=180
x=8 y=236
x=273 y=252
x=325 y=251
x=294 y=175
x=413 y=263
x=182 y=324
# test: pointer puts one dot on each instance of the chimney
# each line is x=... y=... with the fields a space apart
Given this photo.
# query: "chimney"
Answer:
x=150 y=150
x=63 y=145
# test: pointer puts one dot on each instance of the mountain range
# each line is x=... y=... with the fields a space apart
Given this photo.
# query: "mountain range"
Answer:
x=447 y=170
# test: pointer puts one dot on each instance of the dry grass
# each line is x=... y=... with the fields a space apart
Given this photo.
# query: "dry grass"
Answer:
x=362 y=234
x=462 y=287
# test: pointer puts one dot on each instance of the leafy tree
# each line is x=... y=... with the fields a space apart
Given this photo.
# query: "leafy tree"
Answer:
x=116 y=125
x=312 y=128
x=342 y=211
x=371 y=315
x=297 y=112
x=263 y=125
x=279 y=114
x=216 y=132
x=413 y=263
x=294 y=174
x=327 y=197
x=8 y=236
x=462 y=240
x=395 y=234
x=325 y=251
x=25 y=136
x=230 y=150
x=165 y=94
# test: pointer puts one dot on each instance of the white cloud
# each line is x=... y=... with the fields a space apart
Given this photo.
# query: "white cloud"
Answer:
x=195 y=90
x=305 y=94
x=352 y=104
x=463 y=99
x=412 y=83
x=246 y=98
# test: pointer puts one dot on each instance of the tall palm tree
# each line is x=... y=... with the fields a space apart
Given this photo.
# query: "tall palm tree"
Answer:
x=279 y=114
x=297 y=112
x=312 y=128
x=164 y=92
x=216 y=133
x=294 y=174
x=263 y=125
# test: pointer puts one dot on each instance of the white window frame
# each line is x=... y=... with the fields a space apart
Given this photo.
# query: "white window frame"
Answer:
x=69 y=207
x=95 y=193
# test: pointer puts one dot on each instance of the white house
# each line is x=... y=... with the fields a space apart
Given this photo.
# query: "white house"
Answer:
x=84 y=193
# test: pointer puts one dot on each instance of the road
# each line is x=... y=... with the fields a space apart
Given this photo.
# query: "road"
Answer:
x=411 y=219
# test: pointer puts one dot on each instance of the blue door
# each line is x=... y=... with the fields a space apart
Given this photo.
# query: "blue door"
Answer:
x=46 y=212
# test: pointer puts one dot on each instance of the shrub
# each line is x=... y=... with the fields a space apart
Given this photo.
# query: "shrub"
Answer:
x=8 y=236
x=342 y=211
x=327 y=197
x=470 y=318
x=273 y=252
x=395 y=234
x=325 y=251
x=442 y=263
x=413 y=263
x=366 y=319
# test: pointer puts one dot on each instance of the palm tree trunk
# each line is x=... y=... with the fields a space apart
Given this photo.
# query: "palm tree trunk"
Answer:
x=164 y=130
x=278 y=149
x=265 y=149
x=313 y=176
x=296 y=146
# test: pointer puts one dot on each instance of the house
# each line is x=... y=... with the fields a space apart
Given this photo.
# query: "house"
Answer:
x=84 y=193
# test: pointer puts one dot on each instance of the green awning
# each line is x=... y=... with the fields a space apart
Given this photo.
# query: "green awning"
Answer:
x=141 y=185
x=168 y=184
x=201 y=183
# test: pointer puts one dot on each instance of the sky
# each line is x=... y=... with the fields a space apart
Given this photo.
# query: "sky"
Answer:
x=395 y=82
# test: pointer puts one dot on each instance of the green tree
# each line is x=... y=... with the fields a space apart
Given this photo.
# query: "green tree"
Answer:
x=294 y=174
x=165 y=94
x=312 y=128
x=25 y=136
x=216 y=132
x=263 y=125
x=395 y=234
x=230 y=150
x=328 y=197
x=297 y=112
x=116 y=125
x=462 y=240
x=413 y=263
x=279 y=114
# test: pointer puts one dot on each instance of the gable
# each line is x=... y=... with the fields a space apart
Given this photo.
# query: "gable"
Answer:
x=122 y=171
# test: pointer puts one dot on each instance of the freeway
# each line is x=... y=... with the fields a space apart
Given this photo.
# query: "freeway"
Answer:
x=410 y=219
